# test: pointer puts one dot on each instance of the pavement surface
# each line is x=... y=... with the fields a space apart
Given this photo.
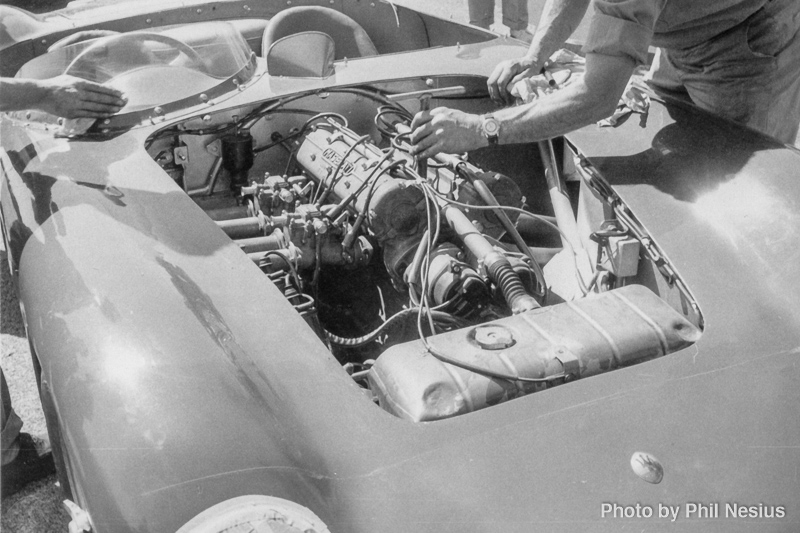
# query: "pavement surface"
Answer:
x=37 y=508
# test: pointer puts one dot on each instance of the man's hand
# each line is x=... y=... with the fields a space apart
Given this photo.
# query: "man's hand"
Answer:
x=444 y=130
x=507 y=73
x=71 y=97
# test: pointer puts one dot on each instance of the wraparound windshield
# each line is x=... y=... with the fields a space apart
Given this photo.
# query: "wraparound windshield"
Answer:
x=153 y=67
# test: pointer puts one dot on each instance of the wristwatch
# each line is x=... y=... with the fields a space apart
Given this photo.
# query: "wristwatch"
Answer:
x=491 y=129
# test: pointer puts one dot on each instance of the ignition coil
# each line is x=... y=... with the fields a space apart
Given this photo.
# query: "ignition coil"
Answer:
x=237 y=156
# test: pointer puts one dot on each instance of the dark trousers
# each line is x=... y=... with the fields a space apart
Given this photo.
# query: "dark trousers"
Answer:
x=11 y=424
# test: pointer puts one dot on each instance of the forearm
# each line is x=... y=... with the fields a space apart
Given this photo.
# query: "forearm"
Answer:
x=593 y=98
x=559 y=20
x=17 y=94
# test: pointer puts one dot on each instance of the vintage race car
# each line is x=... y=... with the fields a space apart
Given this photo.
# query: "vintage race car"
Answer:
x=251 y=309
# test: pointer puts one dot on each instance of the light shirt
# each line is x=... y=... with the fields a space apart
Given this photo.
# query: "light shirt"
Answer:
x=628 y=27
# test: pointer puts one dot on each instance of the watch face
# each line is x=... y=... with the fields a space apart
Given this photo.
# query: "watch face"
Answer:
x=491 y=127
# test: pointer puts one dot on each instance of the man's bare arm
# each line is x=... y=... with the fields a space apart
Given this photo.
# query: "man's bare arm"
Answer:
x=63 y=96
x=559 y=20
x=588 y=100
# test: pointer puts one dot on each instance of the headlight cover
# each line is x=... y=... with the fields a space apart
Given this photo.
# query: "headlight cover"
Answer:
x=259 y=514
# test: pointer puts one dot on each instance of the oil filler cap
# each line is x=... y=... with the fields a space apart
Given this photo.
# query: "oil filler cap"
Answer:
x=493 y=337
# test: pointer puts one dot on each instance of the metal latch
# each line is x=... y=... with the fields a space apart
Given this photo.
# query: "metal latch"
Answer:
x=570 y=362
x=80 y=518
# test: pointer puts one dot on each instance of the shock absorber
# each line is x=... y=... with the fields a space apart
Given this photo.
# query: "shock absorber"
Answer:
x=497 y=265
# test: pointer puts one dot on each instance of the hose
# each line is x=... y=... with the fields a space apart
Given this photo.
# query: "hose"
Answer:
x=371 y=336
x=497 y=266
x=510 y=285
x=489 y=199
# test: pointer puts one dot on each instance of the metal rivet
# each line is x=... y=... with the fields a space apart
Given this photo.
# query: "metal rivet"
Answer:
x=149 y=21
x=203 y=97
x=105 y=130
x=199 y=10
x=429 y=82
x=246 y=8
x=27 y=114
x=107 y=121
x=44 y=41
x=206 y=118
x=647 y=467
x=60 y=121
x=159 y=110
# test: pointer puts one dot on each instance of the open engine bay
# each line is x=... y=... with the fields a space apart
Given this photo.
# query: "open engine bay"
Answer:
x=441 y=286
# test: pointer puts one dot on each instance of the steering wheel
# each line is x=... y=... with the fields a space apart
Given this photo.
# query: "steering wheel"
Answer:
x=138 y=38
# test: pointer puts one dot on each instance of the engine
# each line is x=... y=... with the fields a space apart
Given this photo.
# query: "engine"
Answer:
x=428 y=280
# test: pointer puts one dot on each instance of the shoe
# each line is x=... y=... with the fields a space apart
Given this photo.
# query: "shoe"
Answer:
x=522 y=35
x=33 y=462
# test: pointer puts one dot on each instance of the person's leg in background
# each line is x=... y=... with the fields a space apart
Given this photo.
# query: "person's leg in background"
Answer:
x=481 y=13
x=23 y=461
x=11 y=424
x=515 y=16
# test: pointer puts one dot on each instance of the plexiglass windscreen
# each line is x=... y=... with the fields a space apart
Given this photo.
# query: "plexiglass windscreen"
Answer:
x=153 y=67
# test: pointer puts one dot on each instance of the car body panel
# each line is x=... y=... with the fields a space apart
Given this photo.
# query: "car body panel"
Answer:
x=183 y=378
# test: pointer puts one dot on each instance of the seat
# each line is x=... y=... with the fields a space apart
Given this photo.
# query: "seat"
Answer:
x=308 y=54
x=349 y=37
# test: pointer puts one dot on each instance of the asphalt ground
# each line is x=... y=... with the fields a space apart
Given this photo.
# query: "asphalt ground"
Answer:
x=37 y=508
